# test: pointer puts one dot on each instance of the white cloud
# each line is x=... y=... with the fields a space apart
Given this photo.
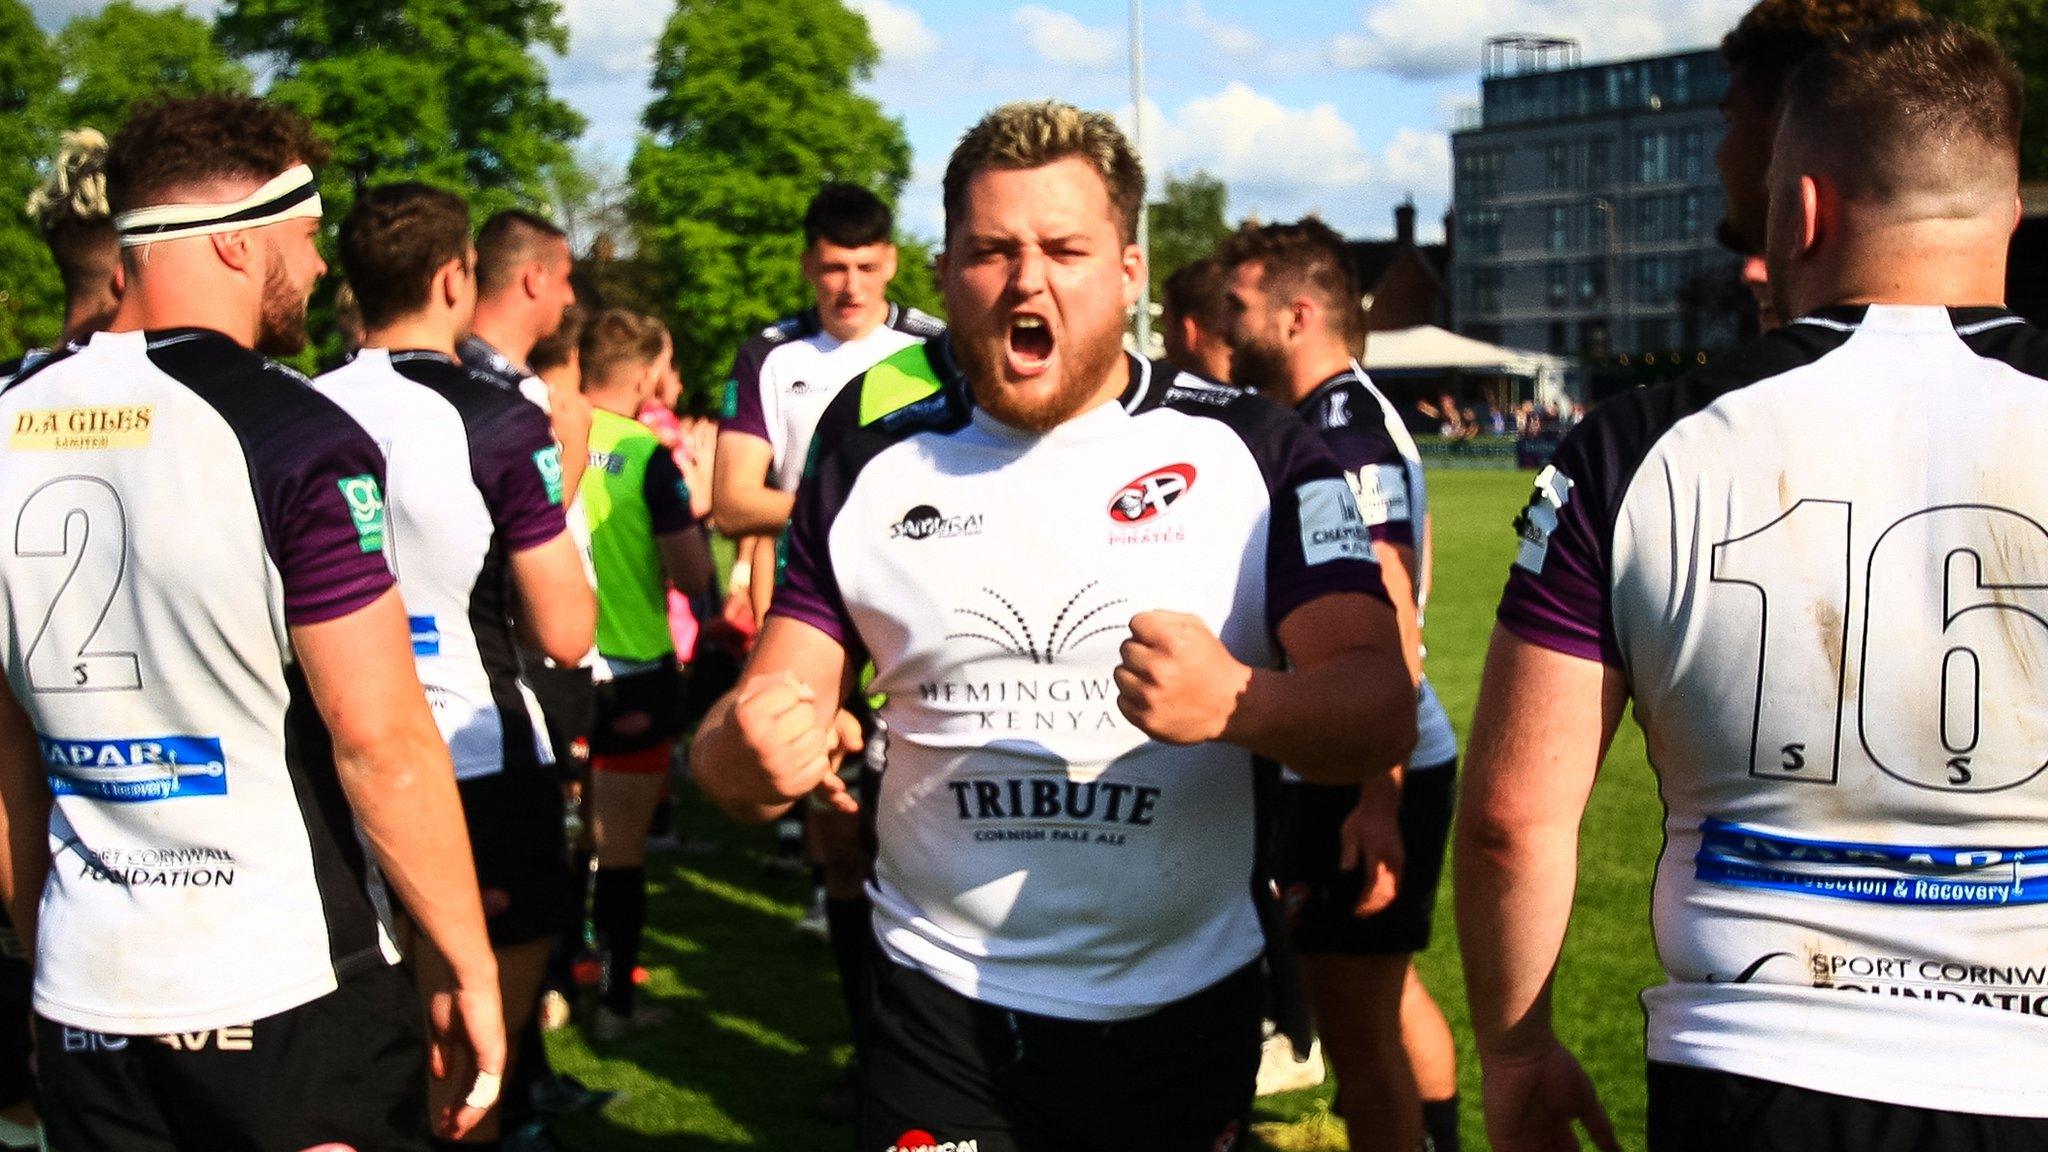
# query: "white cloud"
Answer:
x=1231 y=39
x=1283 y=161
x=1418 y=162
x=1421 y=39
x=1062 y=38
x=612 y=38
x=899 y=31
x=1253 y=141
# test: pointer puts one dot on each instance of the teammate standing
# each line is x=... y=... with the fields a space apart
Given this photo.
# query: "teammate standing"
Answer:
x=476 y=537
x=1078 y=578
x=70 y=210
x=1193 y=320
x=642 y=538
x=1293 y=322
x=1816 y=568
x=203 y=710
x=783 y=379
x=1764 y=47
x=523 y=264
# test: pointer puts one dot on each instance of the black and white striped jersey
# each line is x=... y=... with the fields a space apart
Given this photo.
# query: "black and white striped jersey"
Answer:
x=172 y=504
x=474 y=477
x=1822 y=565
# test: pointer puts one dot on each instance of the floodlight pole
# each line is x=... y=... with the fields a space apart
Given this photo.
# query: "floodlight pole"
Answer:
x=1144 y=330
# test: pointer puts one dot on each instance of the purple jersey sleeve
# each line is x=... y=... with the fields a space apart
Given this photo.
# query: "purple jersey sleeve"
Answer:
x=1559 y=591
x=324 y=515
x=743 y=411
x=518 y=468
x=807 y=588
x=1316 y=543
x=667 y=495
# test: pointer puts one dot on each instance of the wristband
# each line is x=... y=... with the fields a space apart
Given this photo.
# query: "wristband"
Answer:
x=484 y=1093
x=742 y=574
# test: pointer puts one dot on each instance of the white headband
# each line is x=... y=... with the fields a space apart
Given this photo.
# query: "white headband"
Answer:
x=291 y=196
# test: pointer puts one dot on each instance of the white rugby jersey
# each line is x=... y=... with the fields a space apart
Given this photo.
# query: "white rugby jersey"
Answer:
x=1380 y=461
x=473 y=477
x=173 y=503
x=785 y=377
x=1822 y=564
x=1037 y=851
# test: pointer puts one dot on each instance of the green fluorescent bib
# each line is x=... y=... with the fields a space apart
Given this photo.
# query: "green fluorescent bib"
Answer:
x=632 y=596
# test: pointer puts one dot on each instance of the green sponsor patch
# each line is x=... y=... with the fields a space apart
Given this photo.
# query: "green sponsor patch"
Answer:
x=365 y=509
x=730 y=407
x=549 y=461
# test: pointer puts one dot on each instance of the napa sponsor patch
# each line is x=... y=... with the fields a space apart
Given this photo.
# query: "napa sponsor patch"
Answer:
x=1937 y=877
x=135 y=770
x=83 y=429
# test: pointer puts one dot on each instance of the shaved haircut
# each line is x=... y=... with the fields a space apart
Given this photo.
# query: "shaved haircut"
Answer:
x=508 y=242
x=1912 y=120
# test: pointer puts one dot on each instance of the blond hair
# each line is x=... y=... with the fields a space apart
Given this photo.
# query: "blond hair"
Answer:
x=77 y=187
x=1034 y=134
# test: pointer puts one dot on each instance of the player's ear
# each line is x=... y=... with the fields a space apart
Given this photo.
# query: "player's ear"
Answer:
x=1819 y=207
x=234 y=250
x=889 y=262
x=1135 y=272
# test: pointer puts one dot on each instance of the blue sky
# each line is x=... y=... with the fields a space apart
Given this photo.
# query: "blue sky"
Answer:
x=1339 y=107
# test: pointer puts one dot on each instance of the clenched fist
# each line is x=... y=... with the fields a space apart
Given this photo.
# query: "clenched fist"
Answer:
x=1177 y=681
x=778 y=724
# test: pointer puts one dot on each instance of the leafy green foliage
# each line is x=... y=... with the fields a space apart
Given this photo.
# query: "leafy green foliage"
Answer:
x=2021 y=28
x=754 y=108
x=445 y=91
x=31 y=299
x=125 y=54
x=1188 y=224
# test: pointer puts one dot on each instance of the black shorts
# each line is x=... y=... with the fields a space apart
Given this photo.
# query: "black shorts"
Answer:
x=566 y=699
x=521 y=851
x=1696 y=1110
x=942 y=1071
x=17 y=1082
x=349 y=1068
x=638 y=711
x=1318 y=899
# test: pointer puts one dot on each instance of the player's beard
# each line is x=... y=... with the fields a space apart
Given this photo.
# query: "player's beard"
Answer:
x=281 y=328
x=1258 y=366
x=1085 y=362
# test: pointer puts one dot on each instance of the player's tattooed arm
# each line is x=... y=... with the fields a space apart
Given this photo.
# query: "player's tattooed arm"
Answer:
x=25 y=807
x=1342 y=710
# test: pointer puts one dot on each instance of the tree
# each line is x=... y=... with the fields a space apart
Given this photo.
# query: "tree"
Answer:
x=754 y=108
x=2021 y=28
x=31 y=298
x=1187 y=225
x=126 y=54
x=445 y=91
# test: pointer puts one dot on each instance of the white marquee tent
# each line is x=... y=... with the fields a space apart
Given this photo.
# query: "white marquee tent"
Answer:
x=1427 y=350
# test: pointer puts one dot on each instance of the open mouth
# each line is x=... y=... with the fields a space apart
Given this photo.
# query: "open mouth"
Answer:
x=1031 y=343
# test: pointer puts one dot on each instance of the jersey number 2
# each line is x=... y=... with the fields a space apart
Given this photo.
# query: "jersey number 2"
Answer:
x=77 y=519
x=1951 y=681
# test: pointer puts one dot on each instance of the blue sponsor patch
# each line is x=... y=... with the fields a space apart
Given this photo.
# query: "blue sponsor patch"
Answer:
x=1944 y=877
x=426 y=635
x=138 y=770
